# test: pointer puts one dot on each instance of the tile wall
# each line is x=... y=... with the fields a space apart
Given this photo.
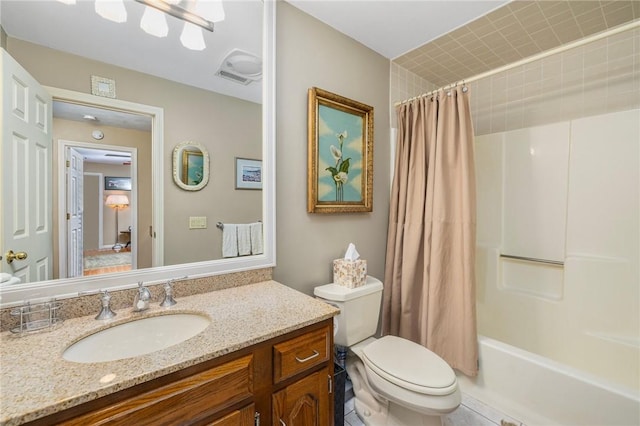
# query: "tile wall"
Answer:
x=597 y=78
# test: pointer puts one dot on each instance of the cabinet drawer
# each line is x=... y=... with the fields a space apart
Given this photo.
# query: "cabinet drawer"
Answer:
x=300 y=353
x=181 y=402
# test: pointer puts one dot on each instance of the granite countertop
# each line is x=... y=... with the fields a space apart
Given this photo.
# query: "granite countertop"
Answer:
x=36 y=381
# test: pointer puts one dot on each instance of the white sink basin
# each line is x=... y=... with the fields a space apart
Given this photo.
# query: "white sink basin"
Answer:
x=135 y=338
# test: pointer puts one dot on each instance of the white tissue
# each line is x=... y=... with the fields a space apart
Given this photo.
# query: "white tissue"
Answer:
x=352 y=253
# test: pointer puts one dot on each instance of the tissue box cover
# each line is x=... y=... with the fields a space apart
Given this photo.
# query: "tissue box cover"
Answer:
x=350 y=273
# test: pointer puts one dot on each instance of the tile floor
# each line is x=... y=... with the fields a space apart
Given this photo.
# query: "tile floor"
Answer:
x=470 y=413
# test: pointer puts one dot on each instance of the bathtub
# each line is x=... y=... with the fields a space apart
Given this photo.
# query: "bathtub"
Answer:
x=538 y=391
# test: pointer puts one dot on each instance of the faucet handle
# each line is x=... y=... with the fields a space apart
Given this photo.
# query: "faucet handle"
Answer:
x=168 y=294
x=141 y=301
x=105 y=312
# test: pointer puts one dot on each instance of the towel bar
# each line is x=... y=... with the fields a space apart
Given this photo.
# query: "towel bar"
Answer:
x=532 y=259
x=220 y=225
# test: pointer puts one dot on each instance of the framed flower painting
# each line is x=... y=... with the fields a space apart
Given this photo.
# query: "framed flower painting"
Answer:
x=340 y=163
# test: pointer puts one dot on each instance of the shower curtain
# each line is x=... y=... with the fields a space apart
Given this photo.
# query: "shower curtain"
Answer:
x=429 y=288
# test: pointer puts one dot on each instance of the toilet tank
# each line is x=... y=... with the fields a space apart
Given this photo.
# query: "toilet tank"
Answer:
x=359 y=310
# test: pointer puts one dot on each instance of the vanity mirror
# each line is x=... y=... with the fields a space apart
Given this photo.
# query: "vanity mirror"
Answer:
x=190 y=166
x=178 y=250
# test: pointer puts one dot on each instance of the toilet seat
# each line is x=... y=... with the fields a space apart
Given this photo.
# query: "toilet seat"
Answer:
x=410 y=366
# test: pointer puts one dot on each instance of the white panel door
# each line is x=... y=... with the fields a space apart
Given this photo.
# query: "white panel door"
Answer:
x=26 y=173
x=75 y=212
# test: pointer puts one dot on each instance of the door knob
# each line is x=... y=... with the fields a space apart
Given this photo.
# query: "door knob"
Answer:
x=11 y=256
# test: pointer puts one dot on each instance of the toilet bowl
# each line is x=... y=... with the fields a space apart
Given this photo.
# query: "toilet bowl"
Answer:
x=395 y=381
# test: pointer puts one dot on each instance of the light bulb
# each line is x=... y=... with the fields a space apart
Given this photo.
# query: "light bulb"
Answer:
x=113 y=10
x=211 y=10
x=191 y=37
x=154 y=22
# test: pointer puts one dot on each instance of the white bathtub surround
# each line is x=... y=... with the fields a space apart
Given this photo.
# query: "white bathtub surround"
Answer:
x=538 y=391
x=536 y=169
x=585 y=313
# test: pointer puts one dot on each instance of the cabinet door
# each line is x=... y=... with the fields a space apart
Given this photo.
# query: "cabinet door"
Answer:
x=242 y=417
x=304 y=403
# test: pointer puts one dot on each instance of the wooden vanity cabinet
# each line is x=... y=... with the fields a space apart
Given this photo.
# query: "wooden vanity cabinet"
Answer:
x=287 y=380
x=305 y=401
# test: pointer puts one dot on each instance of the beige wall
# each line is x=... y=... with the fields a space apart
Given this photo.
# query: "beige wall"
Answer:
x=226 y=126
x=91 y=222
x=310 y=53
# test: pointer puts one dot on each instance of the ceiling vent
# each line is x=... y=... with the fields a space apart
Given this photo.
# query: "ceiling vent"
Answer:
x=241 y=67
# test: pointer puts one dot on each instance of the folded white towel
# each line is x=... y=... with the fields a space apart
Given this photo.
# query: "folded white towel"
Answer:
x=256 y=238
x=244 y=239
x=229 y=240
x=12 y=280
x=5 y=277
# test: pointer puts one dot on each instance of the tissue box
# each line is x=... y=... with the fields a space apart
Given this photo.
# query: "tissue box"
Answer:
x=350 y=273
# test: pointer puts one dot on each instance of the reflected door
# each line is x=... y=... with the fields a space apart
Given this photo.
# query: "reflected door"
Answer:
x=26 y=173
x=75 y=212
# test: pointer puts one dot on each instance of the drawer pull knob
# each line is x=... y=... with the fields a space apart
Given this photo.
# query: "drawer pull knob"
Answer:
x=309 y=358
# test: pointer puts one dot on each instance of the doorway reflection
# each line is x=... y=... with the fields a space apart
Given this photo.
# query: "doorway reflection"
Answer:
x=99 y=240
x=97 y=228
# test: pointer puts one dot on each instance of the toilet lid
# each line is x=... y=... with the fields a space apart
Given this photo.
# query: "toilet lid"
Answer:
x=409 y=365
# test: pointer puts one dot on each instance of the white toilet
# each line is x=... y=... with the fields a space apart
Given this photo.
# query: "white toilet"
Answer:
x=395 y=381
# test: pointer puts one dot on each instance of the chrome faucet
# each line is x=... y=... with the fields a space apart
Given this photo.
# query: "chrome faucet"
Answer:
x=142 y=299
x=168 y=295
x=106 y=312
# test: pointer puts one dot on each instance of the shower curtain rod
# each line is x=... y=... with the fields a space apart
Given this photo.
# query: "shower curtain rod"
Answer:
x=622 y=28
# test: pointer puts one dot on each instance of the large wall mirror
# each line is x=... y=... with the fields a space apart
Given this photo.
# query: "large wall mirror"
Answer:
x=139 y=96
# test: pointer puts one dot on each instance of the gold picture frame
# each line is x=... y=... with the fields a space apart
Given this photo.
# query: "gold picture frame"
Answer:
x=192 y=167
x=340 y=154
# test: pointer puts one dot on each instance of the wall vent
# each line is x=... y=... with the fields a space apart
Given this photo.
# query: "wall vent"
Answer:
x=234 y=77
x=241 y=66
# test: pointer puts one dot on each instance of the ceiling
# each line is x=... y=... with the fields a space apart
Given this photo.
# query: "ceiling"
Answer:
x=395 y=27
x=102 y=117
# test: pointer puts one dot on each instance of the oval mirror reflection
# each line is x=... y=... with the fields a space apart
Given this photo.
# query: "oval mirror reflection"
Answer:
x=190 y=166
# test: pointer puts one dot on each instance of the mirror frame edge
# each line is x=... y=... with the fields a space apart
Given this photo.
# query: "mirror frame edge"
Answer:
x=74 y=287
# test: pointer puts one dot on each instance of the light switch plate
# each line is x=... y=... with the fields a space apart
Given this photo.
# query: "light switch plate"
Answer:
x=197 y=222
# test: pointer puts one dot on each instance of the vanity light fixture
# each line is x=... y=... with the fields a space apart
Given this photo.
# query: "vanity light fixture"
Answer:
x=191 y=37
x=113 y=10
x=197 y=14
x=176 y=11
x=201 y=15
x=154 y=22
